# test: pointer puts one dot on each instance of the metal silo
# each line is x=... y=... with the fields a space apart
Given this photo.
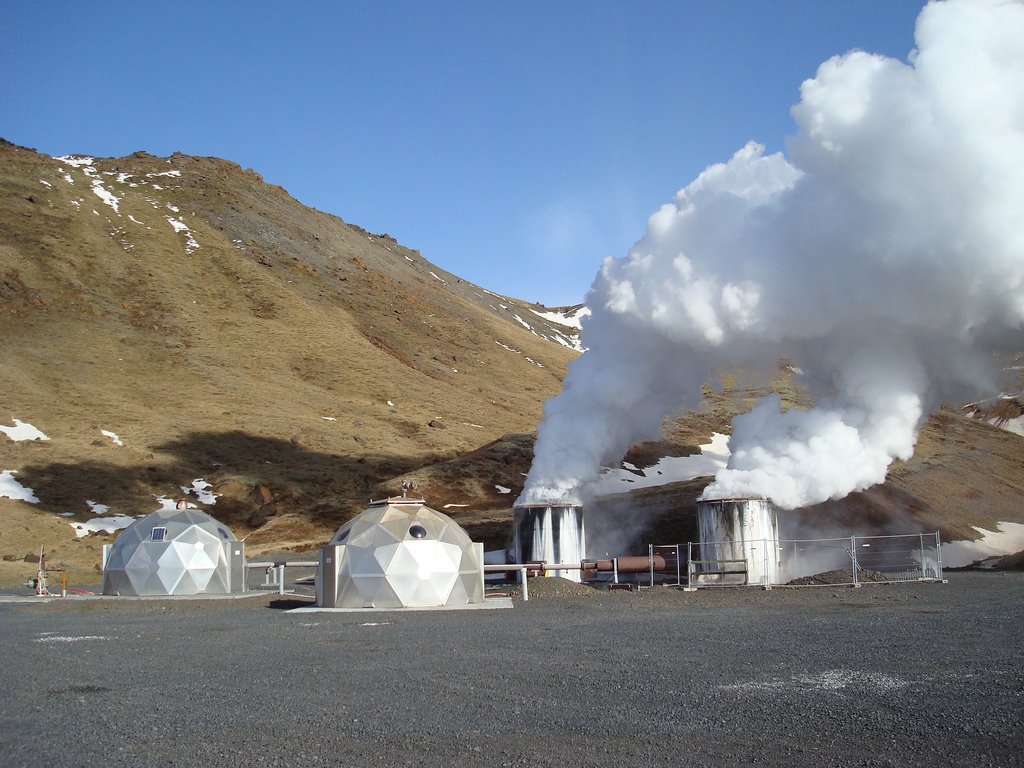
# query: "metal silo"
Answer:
x=738 y=541
x=550 y=533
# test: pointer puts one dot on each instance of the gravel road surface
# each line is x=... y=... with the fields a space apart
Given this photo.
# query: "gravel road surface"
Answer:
x=922 y=674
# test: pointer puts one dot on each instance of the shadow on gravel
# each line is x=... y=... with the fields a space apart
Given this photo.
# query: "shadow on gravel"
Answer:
x=288 y=603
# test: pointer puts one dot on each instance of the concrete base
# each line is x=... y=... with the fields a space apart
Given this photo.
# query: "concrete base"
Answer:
x=488 y=604
x=72 y=598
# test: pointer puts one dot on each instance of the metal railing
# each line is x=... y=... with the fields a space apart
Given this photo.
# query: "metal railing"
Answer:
x=766 y=563
x=274 y=573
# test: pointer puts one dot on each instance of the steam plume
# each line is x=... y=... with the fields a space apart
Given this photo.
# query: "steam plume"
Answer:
x=884 y=253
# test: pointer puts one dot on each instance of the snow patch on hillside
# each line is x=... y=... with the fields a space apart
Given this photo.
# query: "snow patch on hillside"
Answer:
x=22 y=431
x=12 y=489
x=180 y=226
x=105 y=524
x=113 y=436
x=670 y=469
x=1007 y=539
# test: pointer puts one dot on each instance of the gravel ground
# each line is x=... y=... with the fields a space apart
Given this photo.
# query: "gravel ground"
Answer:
x=922 y=674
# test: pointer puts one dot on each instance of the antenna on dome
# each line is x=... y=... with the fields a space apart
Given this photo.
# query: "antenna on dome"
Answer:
x=407 y=485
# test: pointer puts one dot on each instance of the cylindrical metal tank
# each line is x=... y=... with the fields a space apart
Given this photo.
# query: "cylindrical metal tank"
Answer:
x=738 y=541
x=550 y=533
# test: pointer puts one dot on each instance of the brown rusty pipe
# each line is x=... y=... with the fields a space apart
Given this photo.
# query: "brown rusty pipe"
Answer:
x=633 y=564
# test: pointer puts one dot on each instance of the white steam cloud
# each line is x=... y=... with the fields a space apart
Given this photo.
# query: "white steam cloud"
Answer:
x=884 y=253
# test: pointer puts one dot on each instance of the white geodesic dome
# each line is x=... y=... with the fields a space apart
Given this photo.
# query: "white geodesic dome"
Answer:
x=400 y=553
x=173 y=552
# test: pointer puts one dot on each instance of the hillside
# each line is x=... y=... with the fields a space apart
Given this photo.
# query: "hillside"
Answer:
x=172 y=320
x=224 y=331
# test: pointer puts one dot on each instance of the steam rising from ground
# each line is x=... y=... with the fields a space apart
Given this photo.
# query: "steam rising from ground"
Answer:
x=884 y=253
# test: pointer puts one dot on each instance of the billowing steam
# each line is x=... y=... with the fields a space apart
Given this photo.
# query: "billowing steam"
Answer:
x=884 y=254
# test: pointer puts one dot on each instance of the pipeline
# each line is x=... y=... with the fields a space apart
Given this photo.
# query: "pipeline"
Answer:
x=630 y=564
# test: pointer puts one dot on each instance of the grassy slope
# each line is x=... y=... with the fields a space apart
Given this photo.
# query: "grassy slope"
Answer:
x=222 y=363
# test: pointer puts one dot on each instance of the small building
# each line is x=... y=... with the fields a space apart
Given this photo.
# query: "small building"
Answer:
x=400 y=553
x=174 y=552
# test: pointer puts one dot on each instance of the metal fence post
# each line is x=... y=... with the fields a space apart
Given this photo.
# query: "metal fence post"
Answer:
x=921 y=565
x=938 y=556
x=853 y=561
x=280 y=577
x=767 y=580
x=526 y=587
x=679 y=575
x=689 y=565
x=650 y=560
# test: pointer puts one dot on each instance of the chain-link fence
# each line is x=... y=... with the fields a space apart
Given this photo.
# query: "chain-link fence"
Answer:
x=798 y=562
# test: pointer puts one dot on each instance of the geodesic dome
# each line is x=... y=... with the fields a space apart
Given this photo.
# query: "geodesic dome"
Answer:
x=400 y=553
x=175 y=552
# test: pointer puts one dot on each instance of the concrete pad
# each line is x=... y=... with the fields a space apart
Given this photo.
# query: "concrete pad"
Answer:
x=24 y=599
x=489 y=604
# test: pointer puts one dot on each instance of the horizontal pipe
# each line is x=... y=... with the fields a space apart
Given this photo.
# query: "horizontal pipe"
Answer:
x=288 y=563
x=632 y=564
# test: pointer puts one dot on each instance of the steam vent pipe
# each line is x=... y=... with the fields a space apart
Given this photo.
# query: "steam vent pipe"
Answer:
x=550 y=533
x=738 y=534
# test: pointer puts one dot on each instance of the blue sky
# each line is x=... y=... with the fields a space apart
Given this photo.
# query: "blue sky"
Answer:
x=514 y=144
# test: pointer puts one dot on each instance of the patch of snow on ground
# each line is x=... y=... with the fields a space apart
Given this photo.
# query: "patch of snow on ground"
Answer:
x=22 y=431
x=113 y=436
x=1012 y=425
x=107 y=524
x=449 y=506
x=522 y=322
x=96 y=508
x=670 y=469
x=180 y=226
x=12 y=489
x=570 y=321
x=503 y=489
x=1007 y=539
x=135 y=220
x=67 y=639
x=75 y=161
x=169 y=504
x=201 y=489
x=329 y=418
x=566 y=343
x=164 y=173
x=47 y=184
x=439 y=278
x=391 y=404
x=173 y=208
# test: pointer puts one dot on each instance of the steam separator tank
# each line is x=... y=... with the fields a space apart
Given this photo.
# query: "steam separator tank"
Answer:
x=738 y=535
x=550 y=533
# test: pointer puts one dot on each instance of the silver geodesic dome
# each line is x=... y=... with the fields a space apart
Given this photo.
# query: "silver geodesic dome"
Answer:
x=400 y=553
x=175 y=552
